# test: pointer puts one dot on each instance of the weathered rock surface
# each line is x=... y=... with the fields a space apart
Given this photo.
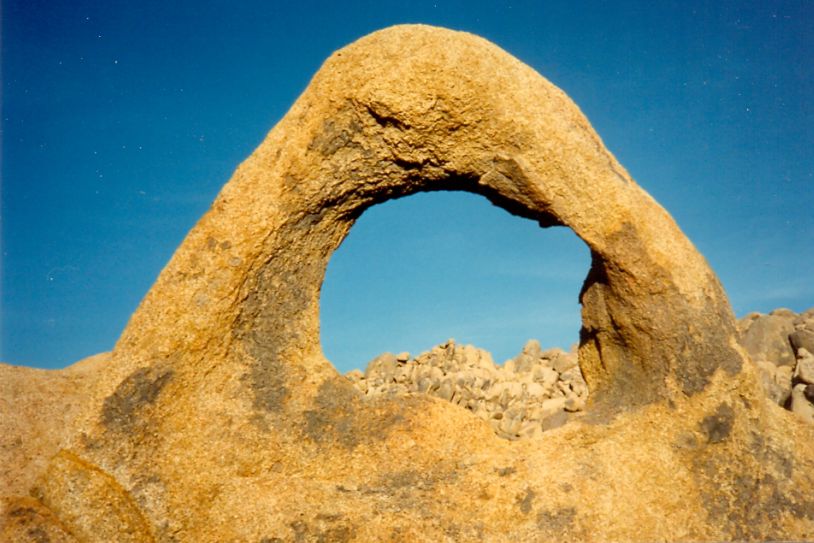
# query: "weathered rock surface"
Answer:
x=38 y=414
x=217 y=417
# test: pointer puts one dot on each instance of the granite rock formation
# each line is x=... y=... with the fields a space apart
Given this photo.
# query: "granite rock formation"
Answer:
x=772 y=341
x=216 y=416
x=529 y=394
x=540 y=390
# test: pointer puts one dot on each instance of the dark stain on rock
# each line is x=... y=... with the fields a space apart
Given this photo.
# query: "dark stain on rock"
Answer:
x=718 y=425
x=709 y=350
x=140 y=389
x=758 y=498
x=319 y=533
x=410 y=480
x=503 y=472
x=268 y=329
x=334 y=413
x=339 y=414
x=311 y=218
x=755 y=506
x=329 y=517
x=524 y=501
x=336 y=134
x=553 y=523
x=409 y=484
x=335 y=534
x=19 y=512
x=28 y=520
x=38 y=535
x=267 y=378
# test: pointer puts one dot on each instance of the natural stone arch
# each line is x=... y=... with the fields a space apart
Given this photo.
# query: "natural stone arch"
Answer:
x=217 y=417
x=392 y=115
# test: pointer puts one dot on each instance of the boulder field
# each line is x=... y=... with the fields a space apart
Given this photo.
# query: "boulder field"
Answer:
x=540 y=390
x=217 y=417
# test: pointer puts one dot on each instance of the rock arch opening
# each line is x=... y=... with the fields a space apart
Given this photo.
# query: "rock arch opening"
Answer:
x=415 y=271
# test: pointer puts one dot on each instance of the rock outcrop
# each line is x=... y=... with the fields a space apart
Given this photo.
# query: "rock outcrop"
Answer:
x=529 y=394
x=541 y=390
x=780 y=343
x=766 y=337
x=217 y=417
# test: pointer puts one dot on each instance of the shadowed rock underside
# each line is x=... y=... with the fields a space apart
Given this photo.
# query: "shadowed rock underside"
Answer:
x=217 y=417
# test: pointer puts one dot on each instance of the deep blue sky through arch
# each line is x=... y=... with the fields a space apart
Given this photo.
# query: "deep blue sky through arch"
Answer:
x=122 y=120
x=450 y=265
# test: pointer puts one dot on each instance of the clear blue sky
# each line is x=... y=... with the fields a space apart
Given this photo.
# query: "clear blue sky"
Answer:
x=122 y=120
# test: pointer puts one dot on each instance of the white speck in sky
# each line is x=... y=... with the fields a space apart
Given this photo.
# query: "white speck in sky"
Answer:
x=116 y=61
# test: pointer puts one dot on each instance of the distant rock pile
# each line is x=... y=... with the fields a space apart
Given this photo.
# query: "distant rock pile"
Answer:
x=538 y=390
x=533 y=392
x=781 y=344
